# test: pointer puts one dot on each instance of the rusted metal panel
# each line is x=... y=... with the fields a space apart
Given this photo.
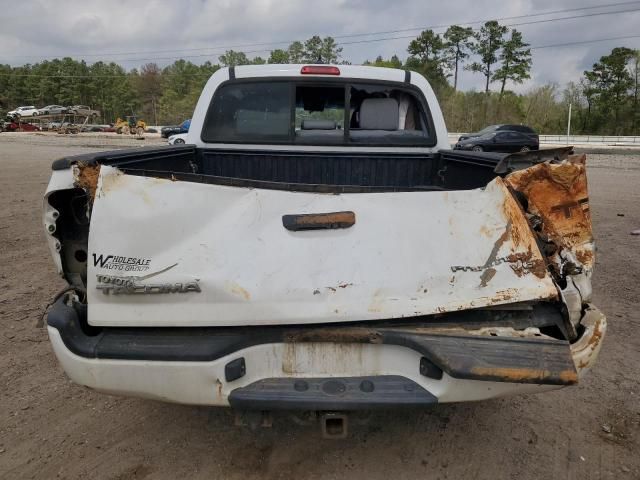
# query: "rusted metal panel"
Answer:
x=557 y=194
x=86 y=177
x=585 y=351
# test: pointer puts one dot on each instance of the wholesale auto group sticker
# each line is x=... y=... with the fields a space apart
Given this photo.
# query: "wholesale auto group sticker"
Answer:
x=121 y=263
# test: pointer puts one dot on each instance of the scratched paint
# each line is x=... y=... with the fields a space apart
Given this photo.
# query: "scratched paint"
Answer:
x=402 y=243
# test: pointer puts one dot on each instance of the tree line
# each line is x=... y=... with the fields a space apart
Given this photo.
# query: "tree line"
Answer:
x=604 y=101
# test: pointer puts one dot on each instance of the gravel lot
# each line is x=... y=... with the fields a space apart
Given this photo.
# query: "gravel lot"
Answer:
x=51 y=428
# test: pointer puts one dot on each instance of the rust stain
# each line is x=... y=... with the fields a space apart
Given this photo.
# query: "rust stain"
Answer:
x=486 y=276
x=338 y=217
x=579 y=159
x=319 y=221
x=497 y=245
x=585 y=256
x=502 y=296
x=87 y=178
x=289 y=359
x=377 y=301
x=597 y=335
x=522 y=235
x=337 y=335
x=335 y=289
x=524 y=374
x=486 y=232
x=238 y=290
x=557 y=193
x=525 y=262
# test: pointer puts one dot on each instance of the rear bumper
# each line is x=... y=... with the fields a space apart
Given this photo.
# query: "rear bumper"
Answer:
x=389 y=368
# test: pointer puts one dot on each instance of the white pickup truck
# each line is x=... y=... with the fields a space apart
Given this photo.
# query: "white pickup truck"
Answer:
x=316 y=245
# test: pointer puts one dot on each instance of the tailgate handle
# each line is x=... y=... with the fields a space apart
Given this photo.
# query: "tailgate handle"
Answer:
x=318 y=221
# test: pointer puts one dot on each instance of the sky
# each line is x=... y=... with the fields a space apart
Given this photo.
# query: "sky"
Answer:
x=134 y=33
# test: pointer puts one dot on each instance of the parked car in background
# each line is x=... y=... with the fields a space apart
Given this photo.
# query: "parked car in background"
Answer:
x=178 y=139
x=95 y=128
x=24 y=127
x=502 y=127
x=52 y=110
x=83 y=110
x=500 y=141
x=166 y=132
x=29 y=111
x=51 y=126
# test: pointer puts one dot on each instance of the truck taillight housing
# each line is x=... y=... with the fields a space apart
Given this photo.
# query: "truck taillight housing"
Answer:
x=319 y=70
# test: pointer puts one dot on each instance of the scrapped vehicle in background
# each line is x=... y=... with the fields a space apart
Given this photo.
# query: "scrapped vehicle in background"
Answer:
x=177 y=139
x=28 y=111
x=83 y=110
x=20 y=127
x=316 y=245
x=166 y=132
x=52 y=110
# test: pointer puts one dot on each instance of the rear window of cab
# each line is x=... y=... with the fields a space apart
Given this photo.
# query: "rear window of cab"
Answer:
x=317 y=112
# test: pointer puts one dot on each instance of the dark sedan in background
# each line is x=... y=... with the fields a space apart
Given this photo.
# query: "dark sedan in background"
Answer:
x=166 y=132
x=501 y=128
x=499 y=141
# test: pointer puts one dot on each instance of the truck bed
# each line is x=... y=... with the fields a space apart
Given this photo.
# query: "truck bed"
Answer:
x=318 y=171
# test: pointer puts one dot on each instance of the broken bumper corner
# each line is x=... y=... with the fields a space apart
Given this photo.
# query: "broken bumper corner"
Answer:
x=592 y=331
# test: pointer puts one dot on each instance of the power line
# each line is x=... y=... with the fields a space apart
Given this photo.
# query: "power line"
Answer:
x=382 y=39
x=565 y=44
x=373 y=40
x=430 y=27
x=478 y=22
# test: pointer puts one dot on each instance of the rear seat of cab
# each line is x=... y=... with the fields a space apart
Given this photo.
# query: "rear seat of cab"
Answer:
x=379 y=119
x=319 y=128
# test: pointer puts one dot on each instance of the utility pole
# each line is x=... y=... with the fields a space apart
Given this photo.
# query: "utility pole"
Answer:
x=155 y=115
x=569 y=125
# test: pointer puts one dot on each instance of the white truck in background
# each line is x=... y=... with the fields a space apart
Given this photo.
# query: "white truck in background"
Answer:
x=316 y=245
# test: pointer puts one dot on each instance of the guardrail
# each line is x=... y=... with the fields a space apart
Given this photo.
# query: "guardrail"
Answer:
x=576 y=139
x=595 y=139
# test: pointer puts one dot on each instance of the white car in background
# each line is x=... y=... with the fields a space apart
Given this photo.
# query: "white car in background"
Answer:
x=53 y=110
x=178 y=139
x=28 y=111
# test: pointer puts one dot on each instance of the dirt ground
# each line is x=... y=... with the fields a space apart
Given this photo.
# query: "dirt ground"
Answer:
x=51 y=428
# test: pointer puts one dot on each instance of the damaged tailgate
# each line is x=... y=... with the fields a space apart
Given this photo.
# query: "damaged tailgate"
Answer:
x=178 y=253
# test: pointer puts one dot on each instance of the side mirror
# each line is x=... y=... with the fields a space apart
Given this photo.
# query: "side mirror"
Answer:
x=494 y=139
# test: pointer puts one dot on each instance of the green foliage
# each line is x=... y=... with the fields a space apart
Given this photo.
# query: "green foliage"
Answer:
x=605 y=101
x=393 y=62
x=279 y=56
x=429 y=57
x=296 y=52
x=231 y=58
x=516 y=61
x=487 y=44
x=320 y=50
x=610 y=86
x=457 y=44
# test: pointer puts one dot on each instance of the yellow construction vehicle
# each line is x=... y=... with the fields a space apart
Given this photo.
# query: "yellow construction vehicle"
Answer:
x=131 y=125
